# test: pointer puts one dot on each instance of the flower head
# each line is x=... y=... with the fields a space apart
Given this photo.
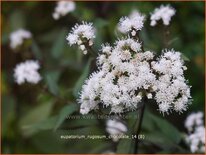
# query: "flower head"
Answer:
x=115 y=128
x=193 y=120
x=27 y=72
x=131 y=24
x=17 y=37
x=63 y=8
x=196 y=137
x=82 y=35
x=123 y=72
x=164 y=12
x=127 y=74
x=172 y=91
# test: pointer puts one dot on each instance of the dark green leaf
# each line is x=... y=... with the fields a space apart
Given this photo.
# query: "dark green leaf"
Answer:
x=36 y=115
x=8 y=112
x=185 y=58
x=59 y=44
x=99 y=23
x=47 y=124
x=36 y=50
x=67 y=110
x=17 y=20
x=164 y=128
x=51 y=80
x=124 y=146
x=49 y=142
x=81 y=79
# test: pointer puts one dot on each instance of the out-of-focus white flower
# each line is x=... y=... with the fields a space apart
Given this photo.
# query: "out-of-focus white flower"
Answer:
x=115 y=128
x=82 y=35
x=17 y=37
x=196 y=129
x=27 y=72
x=164 y=12
x=194 y=119
x=63 y=8
x=133 y=23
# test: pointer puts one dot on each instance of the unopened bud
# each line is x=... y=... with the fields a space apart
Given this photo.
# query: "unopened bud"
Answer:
x=85 y=52
x=133 y=33
x=90 y=42
x=149 y=96
x=79 y=42
x=82 y=47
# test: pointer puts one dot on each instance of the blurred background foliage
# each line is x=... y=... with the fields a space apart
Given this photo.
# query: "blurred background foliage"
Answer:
x=33 y=116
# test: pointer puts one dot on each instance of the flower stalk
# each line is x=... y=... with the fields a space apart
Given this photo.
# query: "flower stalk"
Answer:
x=138 y=128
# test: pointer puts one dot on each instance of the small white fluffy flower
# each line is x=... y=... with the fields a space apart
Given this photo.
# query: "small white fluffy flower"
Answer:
x=27 y=72
x=82 y=35
x=115 y=128
x=17 y=37
x=90 y=92
x=194 y=119
x=164 y=12
x=196 y=129
x=172 y=91
x=63 y=8
x=131 y=24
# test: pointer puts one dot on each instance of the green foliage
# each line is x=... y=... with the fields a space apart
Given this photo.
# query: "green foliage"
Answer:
x=82 y=78
x=59 y=44
x=67 y=110
x=35 y=116
x=51 y=80
x=124 y=146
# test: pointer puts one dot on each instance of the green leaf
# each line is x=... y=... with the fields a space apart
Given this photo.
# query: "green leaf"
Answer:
x=49 y=142
x=81 y=79
x=99 y=23
x=17 y=20
x=52 y=78
x=36 y=50
x=65 y=111
x=184 y=57
x=8 y=113
x=36 y=115
x=47 y=124
x=173 y=40
x=59 y=44
x=100 y=148
x=167 y=128
x=5 y=39
x=124 y=146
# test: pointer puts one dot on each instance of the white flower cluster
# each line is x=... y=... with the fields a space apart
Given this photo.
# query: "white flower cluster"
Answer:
x=123 y=72
x=82 y=35
x=131 y=24
x=63 y=8
x=164 y=12
x=196 y=129
x=126 y=74
x=171 y=90
x=116 y=129
x=27 y=71
x=17 y=37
